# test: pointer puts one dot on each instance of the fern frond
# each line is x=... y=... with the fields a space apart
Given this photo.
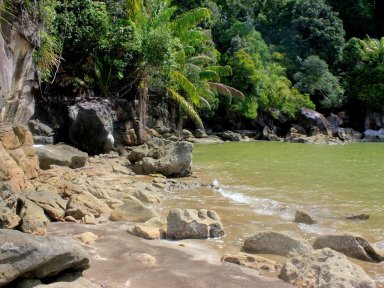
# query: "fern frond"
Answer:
x=205 y=102
x=222 y=71
x=186 y=107
x=187 y=86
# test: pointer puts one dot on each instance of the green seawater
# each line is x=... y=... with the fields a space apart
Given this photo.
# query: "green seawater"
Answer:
x=262 y=184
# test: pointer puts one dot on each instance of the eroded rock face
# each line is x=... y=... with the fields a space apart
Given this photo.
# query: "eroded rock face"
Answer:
x=194 y=224
x=352 y=246
x=268 y=242
x=18 y=158
x=324 y=268
x=18 y=81
x=27 y=256
x=92 y=125
x=172 y=159
x=60 y=155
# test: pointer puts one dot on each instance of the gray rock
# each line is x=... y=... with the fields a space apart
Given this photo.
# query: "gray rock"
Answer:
x=40 y=129
x=43 y=140
x=172 y=159
x=52 y=204
x=200 y=133
x=324 y=268
x=268 y=242
x=304 y=217
x=229 y=136
x=61 y=155
x=352 y=246
x=27 y=256
x=33 y=219
x=133 y=211
x=373 y=135
x=194 y=224
x=348 y=134
x=92 y=125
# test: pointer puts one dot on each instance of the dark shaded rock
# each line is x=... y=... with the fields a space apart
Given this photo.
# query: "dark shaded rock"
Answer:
x=27 y=256
x=315 y=121
x=172 y=159
x=349 y=134
x=229 y=136
x=270 y=133
x=324 y=268
x=92 y=125
x=200 y=133
x=352 y=246
x=61 y=155
x=304 y=217
x=193 y=224
x=38 y=128
x=358 y=217
x=268 y=242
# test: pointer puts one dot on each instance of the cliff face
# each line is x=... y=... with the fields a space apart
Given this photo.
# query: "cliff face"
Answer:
x=18 y=81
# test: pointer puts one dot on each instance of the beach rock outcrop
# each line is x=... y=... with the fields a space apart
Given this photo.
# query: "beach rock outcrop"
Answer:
x=28 y=256
x=172 y=159
x=253 y=261
x=352 y=246
x=52 y=204
x=324 y=268
x=91 y=129
x=18 y=159
x=304 y=217
x=193 y=224
x=284 y=244
x=60 y=155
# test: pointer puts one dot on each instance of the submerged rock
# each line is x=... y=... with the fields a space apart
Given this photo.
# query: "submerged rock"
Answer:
x=27 y=256
x=358 y=217
x=352 y=246
x=324 y=268
x=304 y=217
x=268 y=242
x=193 y=224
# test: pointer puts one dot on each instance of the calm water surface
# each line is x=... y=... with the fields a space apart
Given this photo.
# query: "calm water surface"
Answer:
x=262 y=184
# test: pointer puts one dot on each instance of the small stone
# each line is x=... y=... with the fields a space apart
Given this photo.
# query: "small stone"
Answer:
x=86 y=237
x=358 y=217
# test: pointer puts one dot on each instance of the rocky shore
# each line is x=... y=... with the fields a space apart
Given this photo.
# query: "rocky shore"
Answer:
x=96 y=222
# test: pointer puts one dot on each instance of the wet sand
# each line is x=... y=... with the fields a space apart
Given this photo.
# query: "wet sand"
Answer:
x=120 y=260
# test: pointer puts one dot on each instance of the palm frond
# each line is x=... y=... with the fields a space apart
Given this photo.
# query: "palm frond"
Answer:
x=209 y=75
x=186 y=107
x=205 y=103
x=190 y=19
x=201 y=59
x=225 y=90
x=187 y=86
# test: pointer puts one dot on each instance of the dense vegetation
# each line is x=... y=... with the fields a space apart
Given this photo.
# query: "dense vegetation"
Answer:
x=234 y=59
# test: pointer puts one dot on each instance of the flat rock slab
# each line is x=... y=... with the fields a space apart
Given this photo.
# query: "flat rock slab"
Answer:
x=118 y=260
x=27 y=256
x=61 y=155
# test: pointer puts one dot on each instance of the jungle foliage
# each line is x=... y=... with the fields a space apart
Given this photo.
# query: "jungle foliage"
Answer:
x=248 y=57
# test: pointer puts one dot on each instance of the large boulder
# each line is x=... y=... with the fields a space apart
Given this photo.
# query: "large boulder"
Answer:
x=352 y=246
x=91 y=129
x=268 y=242
x=324 y=268
x=229 y=136
x=61 y=155
x=172 y=159
x=313 y=120
x=374 y=135
x=27 y=256
x=194 y=224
